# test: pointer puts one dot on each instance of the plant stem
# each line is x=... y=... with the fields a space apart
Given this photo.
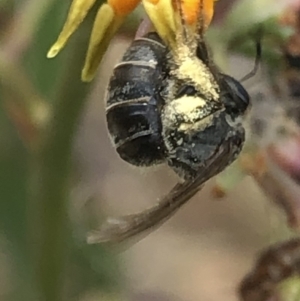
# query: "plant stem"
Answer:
x=25 y=107
x=51 y=175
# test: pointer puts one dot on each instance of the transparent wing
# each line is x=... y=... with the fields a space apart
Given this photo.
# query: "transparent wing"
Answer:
x=118 y=229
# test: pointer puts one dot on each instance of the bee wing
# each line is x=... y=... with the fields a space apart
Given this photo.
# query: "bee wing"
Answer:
x=116 y=230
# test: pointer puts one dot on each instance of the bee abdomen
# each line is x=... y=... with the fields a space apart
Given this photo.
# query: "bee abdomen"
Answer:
x=133 y=102
x=148 y=48
x=132 y=80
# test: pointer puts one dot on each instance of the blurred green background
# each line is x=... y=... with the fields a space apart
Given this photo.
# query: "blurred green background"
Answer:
x=58 y=171
x=42 y=102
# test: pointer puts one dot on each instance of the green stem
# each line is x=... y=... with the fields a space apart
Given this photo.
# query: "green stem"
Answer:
x=25 y=107
x=49 y=220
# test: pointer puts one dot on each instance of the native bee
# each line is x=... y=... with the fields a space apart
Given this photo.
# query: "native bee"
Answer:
x=172 y=105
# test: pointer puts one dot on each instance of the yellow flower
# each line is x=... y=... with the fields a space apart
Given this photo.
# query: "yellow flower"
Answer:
x=110 y=17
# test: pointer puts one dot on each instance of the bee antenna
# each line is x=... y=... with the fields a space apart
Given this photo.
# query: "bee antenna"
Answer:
x=257 y=58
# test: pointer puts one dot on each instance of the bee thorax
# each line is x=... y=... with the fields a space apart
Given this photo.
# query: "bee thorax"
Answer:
x=189 y=68
x=188 y=112
x=190 y=146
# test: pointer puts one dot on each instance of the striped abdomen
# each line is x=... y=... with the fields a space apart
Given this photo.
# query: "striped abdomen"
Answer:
x=133 y=102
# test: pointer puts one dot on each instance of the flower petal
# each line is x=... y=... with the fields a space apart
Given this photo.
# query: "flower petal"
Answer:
x=77 y=13
x=191 y=11
x=161 y=14
x=123 y=7
x=105 y=26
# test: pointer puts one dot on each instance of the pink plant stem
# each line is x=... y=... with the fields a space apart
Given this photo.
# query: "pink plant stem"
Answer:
x=143 y=28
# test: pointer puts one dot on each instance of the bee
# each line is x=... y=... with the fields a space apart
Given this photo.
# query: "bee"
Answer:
x=134 y=102
x=171 y=105
x=276 y=264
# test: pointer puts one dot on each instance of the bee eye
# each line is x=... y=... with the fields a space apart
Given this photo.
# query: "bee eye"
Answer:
x=186 y=91
x=237 y=89
x=237 y=98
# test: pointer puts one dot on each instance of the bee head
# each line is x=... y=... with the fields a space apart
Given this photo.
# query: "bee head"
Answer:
x=235 y=98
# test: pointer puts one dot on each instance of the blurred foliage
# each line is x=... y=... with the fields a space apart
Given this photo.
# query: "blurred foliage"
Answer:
x=47 y=261
x=245 y=24
x=42 y=102
x=43 y=73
